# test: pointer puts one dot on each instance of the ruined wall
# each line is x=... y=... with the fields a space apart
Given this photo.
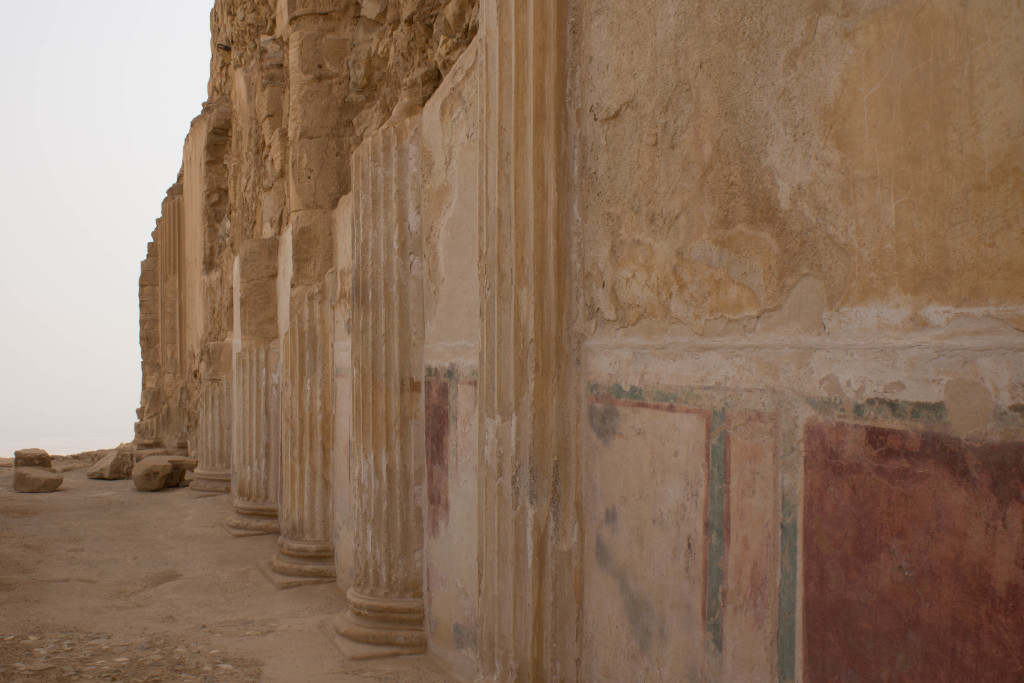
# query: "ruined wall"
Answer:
x=605 y=341
x=800 y=226
x=161 y=329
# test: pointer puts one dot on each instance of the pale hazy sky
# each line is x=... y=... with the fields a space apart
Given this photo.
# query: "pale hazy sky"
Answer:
x=96 y=101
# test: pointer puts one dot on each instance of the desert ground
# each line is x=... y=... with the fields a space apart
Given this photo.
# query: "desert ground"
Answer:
x=100 y=582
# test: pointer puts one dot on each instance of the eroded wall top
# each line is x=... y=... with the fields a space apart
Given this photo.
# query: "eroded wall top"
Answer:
x=729 y=151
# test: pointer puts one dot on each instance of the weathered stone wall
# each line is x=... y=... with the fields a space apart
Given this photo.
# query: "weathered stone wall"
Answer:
x=614 y=340
x=161 y=328
x=868 y=151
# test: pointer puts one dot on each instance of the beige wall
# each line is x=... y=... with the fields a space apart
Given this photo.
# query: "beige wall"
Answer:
x=451 y=139
x=729 y=150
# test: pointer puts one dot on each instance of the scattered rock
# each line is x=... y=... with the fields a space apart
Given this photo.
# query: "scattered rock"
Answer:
x=76 y=656
x=182 y=465
x=150 y=475
x=93 y=457
x=117 y=464
x=66 y=463
x=161 y=471
x=32 y=457
x=36 y=480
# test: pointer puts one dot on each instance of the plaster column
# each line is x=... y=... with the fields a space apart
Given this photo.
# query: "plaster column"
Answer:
x=386 y=597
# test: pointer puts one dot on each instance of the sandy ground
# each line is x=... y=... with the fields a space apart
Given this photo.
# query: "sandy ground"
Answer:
x=100 y=582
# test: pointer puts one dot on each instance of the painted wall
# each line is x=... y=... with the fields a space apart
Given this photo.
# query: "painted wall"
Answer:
x=800 y=229
x=450 y=160
x=722 y=362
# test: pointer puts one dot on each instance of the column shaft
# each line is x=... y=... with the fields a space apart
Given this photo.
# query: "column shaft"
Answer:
x=257 y=456
x=386 y=598
x=307 y=504
x=213 y=472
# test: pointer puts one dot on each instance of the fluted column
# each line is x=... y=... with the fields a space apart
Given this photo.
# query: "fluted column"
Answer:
x=386 y=597
x=213 y=444
x=529 y=492
x=213 y=473
x=306 y=546
x=256 y=465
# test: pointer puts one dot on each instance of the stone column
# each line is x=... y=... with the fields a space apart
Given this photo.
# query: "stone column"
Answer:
x=213 y=472
x=317 y=32
x=306 y=547
x=256 y=464
x=386 y=597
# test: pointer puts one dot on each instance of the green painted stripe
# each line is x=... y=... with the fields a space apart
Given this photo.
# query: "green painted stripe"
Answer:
x=690 y=398
x=882 y=409
x=716 y=530
x=787 y=591
x=634 y=393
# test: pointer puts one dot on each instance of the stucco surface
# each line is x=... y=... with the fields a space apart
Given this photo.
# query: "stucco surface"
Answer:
x=730 y=151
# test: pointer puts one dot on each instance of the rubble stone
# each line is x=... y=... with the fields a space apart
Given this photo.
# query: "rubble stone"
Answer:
x=161 y=471
x=151 y=475
x=32 y=457
x=114 y=465
x=28 y=479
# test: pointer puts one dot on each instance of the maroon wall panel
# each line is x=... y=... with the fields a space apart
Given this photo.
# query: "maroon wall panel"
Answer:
x=437 y=417
x=913 y=556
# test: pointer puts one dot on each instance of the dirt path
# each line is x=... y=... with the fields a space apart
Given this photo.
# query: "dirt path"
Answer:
x=101 y=582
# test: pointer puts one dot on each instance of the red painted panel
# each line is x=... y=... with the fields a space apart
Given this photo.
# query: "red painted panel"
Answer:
x=437 y=417
x=913 y=556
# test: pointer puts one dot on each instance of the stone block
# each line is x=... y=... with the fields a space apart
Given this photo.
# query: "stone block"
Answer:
x=32 y=457
x=312 y=247
x=316 y=55
x=318 y=172
x=322 y=111
x=180 y=465
x=258 y=260
x=150 y=274
x=299 y=8
x=156 y=472
x=151 y=474
x=217 y=360
x=258 y=303
x=115 y=465
x=28 y=479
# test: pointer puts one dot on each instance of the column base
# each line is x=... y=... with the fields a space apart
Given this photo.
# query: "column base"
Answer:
x=304 y=558
x=393 y=624
x=212 y=482
x=253 y=519
x=245 y=525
